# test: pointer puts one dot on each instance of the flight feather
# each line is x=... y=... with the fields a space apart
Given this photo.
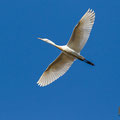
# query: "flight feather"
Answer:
x=82 y=31
x=56 y=69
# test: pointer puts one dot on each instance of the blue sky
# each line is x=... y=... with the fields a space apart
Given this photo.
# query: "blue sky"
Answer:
x=84 y=92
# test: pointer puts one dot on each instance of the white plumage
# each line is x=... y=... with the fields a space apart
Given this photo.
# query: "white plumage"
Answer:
x=71 y=51
x=56 y=69
x=82 y=31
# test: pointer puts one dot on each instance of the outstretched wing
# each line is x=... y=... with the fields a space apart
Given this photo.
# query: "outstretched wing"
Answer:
x=56 y=69
x=82 y=31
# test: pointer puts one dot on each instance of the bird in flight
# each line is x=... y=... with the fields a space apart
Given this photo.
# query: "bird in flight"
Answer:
x=70 y=51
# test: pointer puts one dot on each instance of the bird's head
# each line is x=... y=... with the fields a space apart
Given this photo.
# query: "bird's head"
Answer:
x=43 y=39
x=46 y=40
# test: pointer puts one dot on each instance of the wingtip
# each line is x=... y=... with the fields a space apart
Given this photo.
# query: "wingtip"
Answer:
x=40 y=84
x=90 y=10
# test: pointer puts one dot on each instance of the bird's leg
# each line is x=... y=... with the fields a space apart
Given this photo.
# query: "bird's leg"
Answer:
x=83 y=59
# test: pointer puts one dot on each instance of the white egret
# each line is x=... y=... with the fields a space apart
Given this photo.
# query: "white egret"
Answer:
x=71 y=51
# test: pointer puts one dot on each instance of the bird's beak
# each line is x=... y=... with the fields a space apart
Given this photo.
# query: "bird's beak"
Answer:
x=39 y=38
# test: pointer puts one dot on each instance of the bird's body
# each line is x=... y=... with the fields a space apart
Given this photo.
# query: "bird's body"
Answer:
x=67 y=50
x=71 y=51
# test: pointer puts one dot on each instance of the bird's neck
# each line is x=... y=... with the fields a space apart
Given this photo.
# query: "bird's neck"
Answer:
x=57 y=46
